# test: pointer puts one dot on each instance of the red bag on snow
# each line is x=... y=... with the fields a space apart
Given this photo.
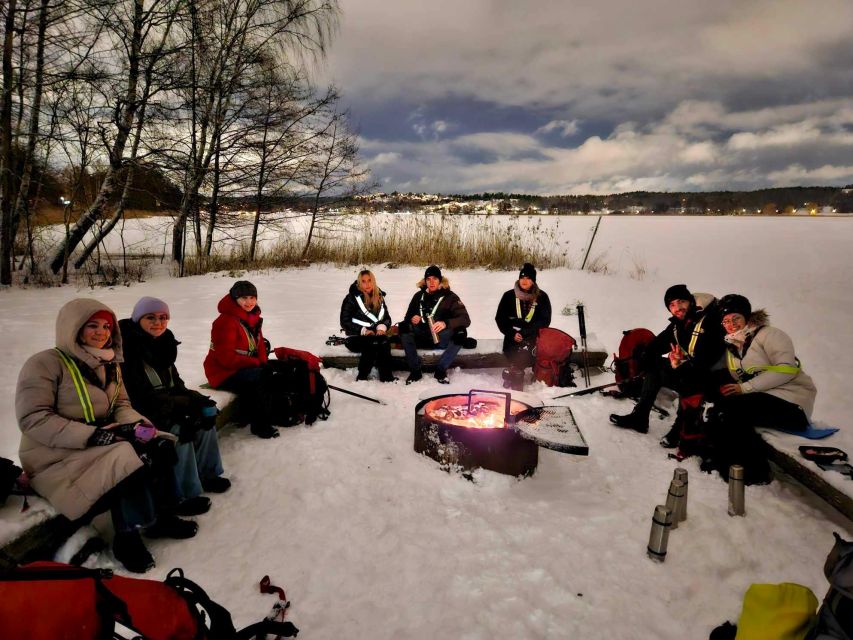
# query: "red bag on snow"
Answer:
x=553 y=348
x=53 y=601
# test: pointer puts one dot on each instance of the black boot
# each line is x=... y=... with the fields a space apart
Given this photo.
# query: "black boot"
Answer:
x=130 y=550
x=637 y=421
x=441 y=376
x=263 y=430
x=171 y=526
x=414 y=376
x=672 y=437
x=194 y=506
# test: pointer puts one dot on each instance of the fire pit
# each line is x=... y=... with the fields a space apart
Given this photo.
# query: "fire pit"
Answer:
x=490 y=430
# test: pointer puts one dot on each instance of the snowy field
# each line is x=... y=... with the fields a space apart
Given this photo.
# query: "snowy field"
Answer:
x=371 y=540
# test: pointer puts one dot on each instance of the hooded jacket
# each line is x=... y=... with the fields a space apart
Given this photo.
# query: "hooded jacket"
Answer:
x=766 y=345
x=148 y=360
x=446 y=305
x=355 y=318
x=54 y=435
x=231 y=340
x=509 y=322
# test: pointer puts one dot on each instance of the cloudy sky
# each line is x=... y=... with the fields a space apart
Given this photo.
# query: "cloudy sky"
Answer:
x=583 y=96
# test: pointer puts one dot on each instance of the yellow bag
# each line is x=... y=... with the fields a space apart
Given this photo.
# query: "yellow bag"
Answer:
x=777 y=612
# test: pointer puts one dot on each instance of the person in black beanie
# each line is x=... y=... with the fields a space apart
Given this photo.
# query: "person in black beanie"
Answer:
x=522 y=311
x=436 y=319
x=692 y=343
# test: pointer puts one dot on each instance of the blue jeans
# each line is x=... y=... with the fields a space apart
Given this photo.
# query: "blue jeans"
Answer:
x=421 y=337
x=133 y=505
x=197 y=461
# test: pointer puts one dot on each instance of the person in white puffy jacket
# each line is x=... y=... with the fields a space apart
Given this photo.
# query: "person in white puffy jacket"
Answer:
x=763 y=385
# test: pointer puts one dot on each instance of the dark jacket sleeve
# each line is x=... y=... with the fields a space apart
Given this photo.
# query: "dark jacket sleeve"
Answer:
x=656 y=348
x=454 y=314
x=414 y=308
x=163 y=407
x=504 y=316
x=348 y=311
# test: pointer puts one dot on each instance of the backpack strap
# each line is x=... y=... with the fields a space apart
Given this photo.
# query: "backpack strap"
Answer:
x=219 y=621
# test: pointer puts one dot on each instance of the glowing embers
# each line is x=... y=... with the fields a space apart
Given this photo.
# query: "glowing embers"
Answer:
x=473 y=411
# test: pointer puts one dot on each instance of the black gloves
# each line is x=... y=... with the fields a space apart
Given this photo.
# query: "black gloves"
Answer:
x=101 y=438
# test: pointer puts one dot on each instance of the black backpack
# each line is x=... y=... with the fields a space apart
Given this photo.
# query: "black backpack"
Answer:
x=294 y=393
x=9 y=473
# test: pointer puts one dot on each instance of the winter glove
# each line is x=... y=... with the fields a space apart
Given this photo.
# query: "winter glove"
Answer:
x=207 y=419
x=141 y=431
x=187 y=430
x=101 y=438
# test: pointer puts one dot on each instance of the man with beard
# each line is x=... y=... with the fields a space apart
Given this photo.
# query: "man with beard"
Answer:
x=435 y=319
x=692 y=344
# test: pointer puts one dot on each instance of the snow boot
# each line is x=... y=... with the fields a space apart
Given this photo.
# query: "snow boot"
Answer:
x=216 y=485
x=414 y=376
x=634 y=420
x=264 y=431
x=441 y=376
x=194 y=506
x=131 y=552
x=171 y=526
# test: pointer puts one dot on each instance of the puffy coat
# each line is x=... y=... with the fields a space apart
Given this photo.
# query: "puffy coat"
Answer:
x=230 y=347
x=354 y=317
x=509 y=323
x=451 y=311
x=54 y=435
x=703 y=324
x=766 y=345
x=165 y=406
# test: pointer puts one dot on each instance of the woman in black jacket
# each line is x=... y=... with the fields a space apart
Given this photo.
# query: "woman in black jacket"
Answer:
x=522 y=311
x=153 y=382
x=365 y=320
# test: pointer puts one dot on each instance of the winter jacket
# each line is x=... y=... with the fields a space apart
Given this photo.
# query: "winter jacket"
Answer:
x=700 y=336
x=450 y=309
x=768 y=346
x=54 y=435
x=511 y=318
x=152 y=380
x=356 y=317
x=236 y=342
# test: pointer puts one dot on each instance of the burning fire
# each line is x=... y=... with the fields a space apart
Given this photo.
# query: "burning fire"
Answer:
x=484 y=414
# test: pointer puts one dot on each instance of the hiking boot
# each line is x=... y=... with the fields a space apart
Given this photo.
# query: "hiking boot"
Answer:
x=264 y=431
x=216 y=485
x=194 y=506
x=362 y=377
x=672 y=437
x=131 y=552
x=441 y=376
x=632 y=421
x=387 y=377
x=414 y=376
x=171 y=526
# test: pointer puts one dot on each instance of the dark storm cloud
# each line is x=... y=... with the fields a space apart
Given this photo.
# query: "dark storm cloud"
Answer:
x=555 y=96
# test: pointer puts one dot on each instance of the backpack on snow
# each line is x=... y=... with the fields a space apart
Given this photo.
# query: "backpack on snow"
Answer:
x=835 y=616
x=627 y=364
x=48 y=600
x=553 y=349
x=300 y=390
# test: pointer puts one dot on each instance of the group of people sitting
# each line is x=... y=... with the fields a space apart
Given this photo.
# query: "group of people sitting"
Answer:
x=108 y=425
x=437 y=319
x=733 y=372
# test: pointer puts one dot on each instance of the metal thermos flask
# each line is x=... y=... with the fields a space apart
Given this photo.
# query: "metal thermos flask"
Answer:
x=681 y=474
x=674 y=500
x=659 y=535
x=431 y=322
x=737 y=503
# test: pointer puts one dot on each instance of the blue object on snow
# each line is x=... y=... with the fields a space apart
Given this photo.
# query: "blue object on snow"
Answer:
x=811 y=432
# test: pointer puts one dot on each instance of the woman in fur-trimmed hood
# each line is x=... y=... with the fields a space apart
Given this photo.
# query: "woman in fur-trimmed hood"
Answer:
x=764 y=385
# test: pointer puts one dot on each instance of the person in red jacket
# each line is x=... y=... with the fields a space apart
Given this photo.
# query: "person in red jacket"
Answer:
x=238 y=354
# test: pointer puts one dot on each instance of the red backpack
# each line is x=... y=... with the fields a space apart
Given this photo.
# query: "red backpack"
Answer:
x=628 y=363
x=553 y=348
x=50 y=601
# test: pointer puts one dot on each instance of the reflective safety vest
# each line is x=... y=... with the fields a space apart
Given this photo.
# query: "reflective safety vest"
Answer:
x=694 y=337
x=375 y=318
x=434 y=309
x=747 y=373
x=530 y=312
x=83 y=390
x=253 y=347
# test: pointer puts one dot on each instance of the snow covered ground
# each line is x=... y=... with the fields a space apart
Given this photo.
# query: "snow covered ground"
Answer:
x=371 y=540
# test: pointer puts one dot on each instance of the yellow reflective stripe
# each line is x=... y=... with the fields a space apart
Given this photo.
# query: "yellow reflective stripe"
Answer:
x=79 y=385
x=697 y=330
x=253 y=347
x=529 y=315
x=776 y=368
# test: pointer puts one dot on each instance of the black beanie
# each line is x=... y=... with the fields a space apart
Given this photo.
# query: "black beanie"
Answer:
x=243 y=288
x=678 y=292
x=433 y=271
x=527 y=271
x=734 y=303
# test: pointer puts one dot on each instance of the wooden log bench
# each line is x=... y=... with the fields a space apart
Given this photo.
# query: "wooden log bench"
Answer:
x=488 y=354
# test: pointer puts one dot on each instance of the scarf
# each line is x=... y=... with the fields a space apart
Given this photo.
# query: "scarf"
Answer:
x=526 y=296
